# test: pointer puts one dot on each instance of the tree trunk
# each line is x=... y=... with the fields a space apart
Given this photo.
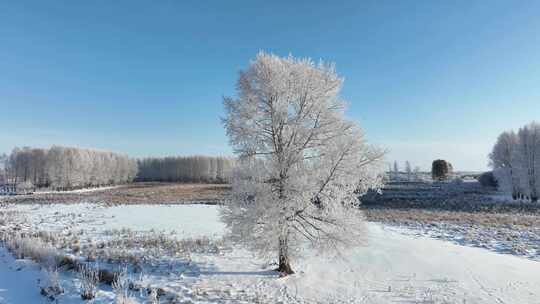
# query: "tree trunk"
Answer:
x=284 y=265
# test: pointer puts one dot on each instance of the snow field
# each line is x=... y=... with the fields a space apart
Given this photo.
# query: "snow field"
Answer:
x=393 y=267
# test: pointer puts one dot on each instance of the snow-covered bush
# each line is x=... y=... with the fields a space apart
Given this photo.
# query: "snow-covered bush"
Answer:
x=152 y=296
x=50 y=285
x=32 y=248
x=457 y=182
x=88 y=280
x=487 y=179
x=120 y=286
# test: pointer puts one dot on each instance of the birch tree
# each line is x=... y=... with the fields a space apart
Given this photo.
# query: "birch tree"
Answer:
x=396 y=170
x=302 y=165
x=503 y=161
x=416 y=173
x=515 y=160
x=408 y=170
x=527 y=159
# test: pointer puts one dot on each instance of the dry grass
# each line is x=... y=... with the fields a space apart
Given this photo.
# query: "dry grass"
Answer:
x=136 y=193
x=22 y=246
x=517 y=221
x=50 y=285
x=513 y=233
x=89 y=280
x=468 y=215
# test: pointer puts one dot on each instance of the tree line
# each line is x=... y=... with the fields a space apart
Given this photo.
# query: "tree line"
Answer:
x=204 y=169
x=65 y=168
x=515 y=160
x=410 y=173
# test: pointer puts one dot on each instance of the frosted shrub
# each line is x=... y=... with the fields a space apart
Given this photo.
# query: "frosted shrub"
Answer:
x=121 y=288
x=32 y=248
x=152 y=297
x=488 y=180
x=89 y=279
x=50 y=285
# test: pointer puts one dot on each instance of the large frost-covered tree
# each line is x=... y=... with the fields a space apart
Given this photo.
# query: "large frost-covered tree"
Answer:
x=302 y=165
x=527 y=160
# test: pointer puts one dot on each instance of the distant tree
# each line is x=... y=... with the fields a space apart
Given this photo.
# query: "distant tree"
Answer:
x=3 y=165
x=416 y=173
x=25 y=187
x=527 y=160
x=68 y=168
x=206 y=169
x=440 y=170
x=396 y=170
x=303 y=166
x=408 y=170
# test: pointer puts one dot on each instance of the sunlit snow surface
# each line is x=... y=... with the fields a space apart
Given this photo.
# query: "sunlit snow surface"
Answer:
x=394 y=267
x=185 y=220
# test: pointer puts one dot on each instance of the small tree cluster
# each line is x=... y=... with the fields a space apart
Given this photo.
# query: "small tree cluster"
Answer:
x=515 y=160
x=186 y=169
x=410 y=173
x=441 y=170
x=68 y=168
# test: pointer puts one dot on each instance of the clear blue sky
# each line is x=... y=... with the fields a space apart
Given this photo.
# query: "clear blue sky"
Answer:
x=425 y=79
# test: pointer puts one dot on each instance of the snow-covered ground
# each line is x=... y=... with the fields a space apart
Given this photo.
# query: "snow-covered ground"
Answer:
x=510 y=240
x=186 y=221
x=20 y=282
x=393 y=267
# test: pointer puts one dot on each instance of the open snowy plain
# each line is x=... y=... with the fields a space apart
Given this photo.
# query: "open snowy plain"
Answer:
x=394 y=266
